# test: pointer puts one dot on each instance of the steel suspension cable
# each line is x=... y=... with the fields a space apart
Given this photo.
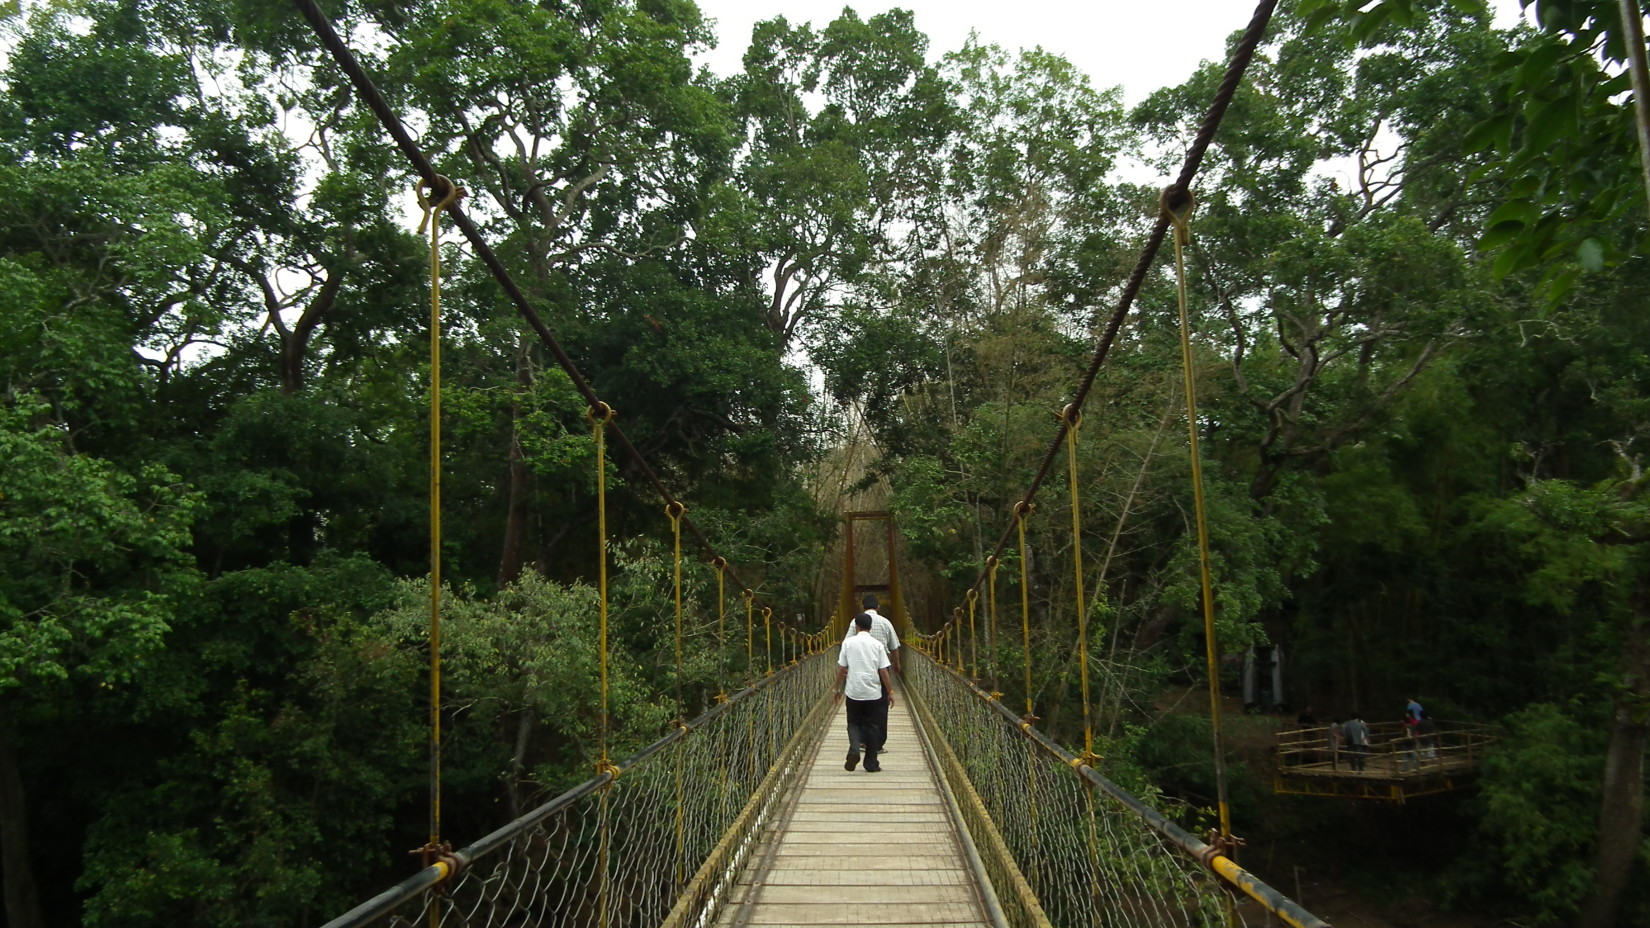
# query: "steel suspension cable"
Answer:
x=1021 y=510
x=721 y=565
x=1181 y=216
x=600 y=418
x=767 y=638
x=374 y=100
x=675 y=512
x=991 y=566
x=750 y=636
x=444 y=199
x=1241 y=56
x=1073 y=420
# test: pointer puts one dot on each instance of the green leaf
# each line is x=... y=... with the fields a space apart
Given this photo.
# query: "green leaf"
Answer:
x=1555 y=120
x=1366 y=24
x=1522 y=212
x=1536 y=72
x=1560 y=284
x=1510 y=259
x=1500 y=234
x=1590 y=254
x=1317 y=15
x=1491 y=134
x=1553 y=17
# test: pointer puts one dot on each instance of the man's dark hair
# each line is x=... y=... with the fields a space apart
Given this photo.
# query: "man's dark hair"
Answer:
x=869 y=602
x=862 y=622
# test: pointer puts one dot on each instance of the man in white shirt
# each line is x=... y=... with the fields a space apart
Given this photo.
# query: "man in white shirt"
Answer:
x=862 y=678
x=883 y=631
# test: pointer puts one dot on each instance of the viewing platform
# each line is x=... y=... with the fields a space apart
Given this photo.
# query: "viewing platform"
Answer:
x=1395 y=767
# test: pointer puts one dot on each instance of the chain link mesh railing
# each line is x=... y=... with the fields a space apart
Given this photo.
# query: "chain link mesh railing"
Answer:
x=656 y=841
x=1064 y=846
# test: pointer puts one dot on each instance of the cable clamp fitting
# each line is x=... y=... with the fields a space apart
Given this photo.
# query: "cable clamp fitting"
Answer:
x=443 y=193
x=1219 y=846
x=440 y=854
x=1178 y=207
x=600 y=413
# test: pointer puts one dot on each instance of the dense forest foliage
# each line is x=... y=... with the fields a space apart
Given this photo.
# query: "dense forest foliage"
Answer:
x=1418 y=285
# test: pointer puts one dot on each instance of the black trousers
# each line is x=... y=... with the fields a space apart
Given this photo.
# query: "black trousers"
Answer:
x=867 y=724
x=882 y=719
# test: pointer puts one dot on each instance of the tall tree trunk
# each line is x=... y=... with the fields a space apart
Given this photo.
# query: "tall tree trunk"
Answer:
x=22 y=894
x=1621 y=813
x=515 y=521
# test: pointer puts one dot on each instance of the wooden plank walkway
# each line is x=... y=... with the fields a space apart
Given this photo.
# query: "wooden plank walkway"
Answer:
x=862 y=848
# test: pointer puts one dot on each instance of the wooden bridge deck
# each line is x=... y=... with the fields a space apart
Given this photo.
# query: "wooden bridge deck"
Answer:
x=862 y=848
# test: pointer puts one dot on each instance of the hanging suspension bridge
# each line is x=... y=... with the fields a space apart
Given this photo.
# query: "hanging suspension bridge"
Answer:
x=744 y=814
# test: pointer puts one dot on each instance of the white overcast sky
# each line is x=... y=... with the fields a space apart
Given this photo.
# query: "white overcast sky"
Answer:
x=1116 y=42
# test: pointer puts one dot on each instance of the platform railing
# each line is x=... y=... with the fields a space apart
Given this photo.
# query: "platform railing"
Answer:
x=1393 y=752
x=1062 y=844
x=655 y=840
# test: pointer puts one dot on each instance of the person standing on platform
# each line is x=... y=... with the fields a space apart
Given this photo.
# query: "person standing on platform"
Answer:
x=862 y=678
x=1413 y=709
x=883 y=631
x=1426 y=731
x=1356 y=735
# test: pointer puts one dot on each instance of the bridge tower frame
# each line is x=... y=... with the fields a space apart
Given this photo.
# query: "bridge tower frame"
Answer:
x=848 y=604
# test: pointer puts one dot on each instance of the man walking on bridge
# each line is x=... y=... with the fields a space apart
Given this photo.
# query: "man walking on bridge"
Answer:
x=862 y=677
x=883 y=631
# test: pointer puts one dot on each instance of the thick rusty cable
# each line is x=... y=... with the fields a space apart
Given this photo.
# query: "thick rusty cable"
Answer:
x=375 y=101
x=1241 y=56
x=392 y=124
